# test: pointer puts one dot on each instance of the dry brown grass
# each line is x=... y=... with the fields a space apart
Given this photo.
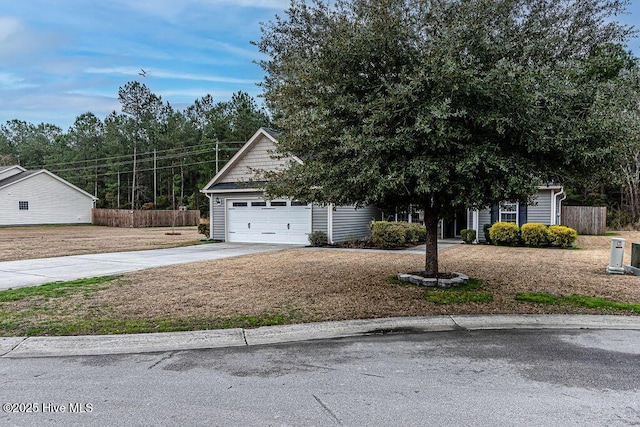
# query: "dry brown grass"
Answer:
x=303 y=285
x=41 y=242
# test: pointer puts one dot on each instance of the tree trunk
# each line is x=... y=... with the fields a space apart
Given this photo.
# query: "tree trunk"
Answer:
x=431 y=258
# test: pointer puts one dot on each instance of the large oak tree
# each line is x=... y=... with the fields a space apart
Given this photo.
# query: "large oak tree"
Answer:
x=441 y=104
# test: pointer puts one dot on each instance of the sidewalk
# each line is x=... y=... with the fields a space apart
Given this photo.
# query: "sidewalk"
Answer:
x=21 y=347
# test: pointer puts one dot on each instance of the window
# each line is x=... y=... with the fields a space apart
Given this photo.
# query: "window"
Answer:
x=509 y=212
x=239 y=204
x=23 y=206
x=278 y=203
x=298 y=203
x=258 y=203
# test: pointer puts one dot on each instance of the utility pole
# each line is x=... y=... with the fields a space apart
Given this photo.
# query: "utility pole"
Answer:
x=155 y=180
x=217 y=156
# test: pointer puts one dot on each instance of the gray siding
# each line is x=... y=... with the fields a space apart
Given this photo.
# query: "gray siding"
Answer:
x=319 y=218
x=350 y=222
x=484 y=217
x=540 y=211
x=258 y=157
x=50 y=202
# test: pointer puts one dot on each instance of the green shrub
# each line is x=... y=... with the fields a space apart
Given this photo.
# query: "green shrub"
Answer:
x=487 y=234
x=505 y=234
x=318 y=238
x=468 y=236
x=388 y=234
x=414 y=233
x=561 y=236
x=203 y=228
x=534 y=234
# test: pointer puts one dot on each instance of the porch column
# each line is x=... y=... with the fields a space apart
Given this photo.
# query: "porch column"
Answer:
x=475 y=223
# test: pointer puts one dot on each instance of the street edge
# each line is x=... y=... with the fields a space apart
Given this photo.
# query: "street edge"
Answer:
x=97 y=345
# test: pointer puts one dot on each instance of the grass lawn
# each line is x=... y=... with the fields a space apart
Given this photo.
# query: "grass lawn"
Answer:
x=306 y=285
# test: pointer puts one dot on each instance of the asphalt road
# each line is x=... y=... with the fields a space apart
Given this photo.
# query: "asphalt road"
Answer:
x=546 y=377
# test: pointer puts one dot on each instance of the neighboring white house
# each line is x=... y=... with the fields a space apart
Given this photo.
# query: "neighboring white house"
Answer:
x=239 y=212
x=40 y=197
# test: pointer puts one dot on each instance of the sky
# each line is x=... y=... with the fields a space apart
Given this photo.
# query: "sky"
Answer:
x=62 y=58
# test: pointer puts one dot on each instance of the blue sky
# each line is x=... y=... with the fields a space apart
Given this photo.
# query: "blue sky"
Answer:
x=62 y=58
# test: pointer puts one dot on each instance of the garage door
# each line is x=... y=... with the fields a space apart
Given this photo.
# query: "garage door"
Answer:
x=264 y=221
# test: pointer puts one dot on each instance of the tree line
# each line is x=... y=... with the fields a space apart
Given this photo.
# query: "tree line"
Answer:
x=148 y=156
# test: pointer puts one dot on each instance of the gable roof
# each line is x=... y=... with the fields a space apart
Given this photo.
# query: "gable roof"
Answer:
x=4 y=168
x=25 y=174
x=269 y=133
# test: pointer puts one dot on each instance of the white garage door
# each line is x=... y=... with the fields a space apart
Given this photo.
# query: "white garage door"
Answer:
x=264 y=221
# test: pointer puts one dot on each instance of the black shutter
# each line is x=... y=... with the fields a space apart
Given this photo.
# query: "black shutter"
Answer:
x=495 y=213
x=522 y=214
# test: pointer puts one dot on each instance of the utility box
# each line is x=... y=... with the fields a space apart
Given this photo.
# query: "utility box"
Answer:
x=615 y=257
x=635 y=255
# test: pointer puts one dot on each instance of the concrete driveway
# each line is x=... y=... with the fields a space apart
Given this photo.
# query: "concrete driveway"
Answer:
x=17 y=274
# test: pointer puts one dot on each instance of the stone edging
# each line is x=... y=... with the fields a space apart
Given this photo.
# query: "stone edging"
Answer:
x=460 y=280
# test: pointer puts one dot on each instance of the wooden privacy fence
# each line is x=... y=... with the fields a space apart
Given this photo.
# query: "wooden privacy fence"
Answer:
x=143 y=218
x=585 y=219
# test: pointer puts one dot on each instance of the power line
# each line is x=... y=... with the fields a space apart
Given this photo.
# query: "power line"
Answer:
x=102 y=159
x=140 y=160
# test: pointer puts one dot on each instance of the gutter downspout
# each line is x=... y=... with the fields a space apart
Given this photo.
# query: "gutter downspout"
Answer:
x=554 y=208
x=475 y=224
x=559 y=205
x=330 y=223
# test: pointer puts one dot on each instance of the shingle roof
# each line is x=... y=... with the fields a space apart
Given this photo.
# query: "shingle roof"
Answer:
x=16 y=177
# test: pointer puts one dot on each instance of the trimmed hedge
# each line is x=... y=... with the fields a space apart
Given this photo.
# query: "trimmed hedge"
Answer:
x=560 y=236
x=389 y=235
x=318 y=238
x=487 y=236
x=531 y=234
x=468 y=235
x=534 y=234
x=505 y=234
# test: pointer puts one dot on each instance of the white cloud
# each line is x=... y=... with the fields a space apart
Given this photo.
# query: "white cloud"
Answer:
x=9 y=27
x=132 y=71
x=12 y=82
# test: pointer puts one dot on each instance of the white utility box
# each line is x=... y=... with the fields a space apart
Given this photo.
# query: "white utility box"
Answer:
x=615 y=257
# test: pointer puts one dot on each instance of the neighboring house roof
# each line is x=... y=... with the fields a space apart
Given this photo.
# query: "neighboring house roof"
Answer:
x=217 y=183
x=25 y=174
x=14 y=178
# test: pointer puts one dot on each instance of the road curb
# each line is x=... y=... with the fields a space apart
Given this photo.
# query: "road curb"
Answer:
x=28 y=347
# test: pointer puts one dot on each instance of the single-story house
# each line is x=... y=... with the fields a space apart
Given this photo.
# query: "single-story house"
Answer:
x=545 y=209
x=239 y=211
x=39 y=197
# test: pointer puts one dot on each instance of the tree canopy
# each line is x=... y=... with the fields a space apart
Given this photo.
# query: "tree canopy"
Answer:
x=443 y=104
x=175 y=151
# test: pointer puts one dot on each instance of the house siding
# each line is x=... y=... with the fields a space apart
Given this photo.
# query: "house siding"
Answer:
x=319 y=219
x=50 y=202
x=484 y=217
x=350 y=222
x=540 y=211
x=259 y=157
